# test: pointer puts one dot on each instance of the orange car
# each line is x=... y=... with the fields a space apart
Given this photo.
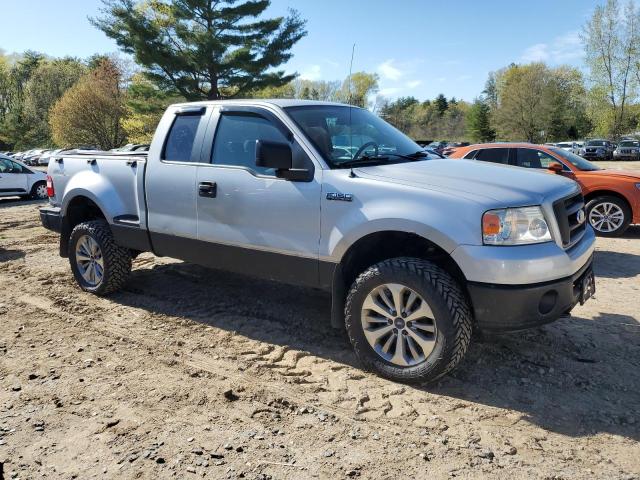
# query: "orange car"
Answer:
x=612 y=196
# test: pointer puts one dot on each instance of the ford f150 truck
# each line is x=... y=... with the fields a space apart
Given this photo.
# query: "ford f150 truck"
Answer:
x=416 y=251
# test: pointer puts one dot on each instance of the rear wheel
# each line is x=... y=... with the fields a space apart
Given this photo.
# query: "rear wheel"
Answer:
x=98 y=264
x=408 y=320
x=609 y=216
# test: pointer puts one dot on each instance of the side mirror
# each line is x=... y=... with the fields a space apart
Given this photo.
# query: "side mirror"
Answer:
x=273 y=155
x=279 y=155
x=555 y=167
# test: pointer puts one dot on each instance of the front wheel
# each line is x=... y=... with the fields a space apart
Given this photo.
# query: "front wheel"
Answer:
x=98 y=264
x=408 y=320
x=609 y=216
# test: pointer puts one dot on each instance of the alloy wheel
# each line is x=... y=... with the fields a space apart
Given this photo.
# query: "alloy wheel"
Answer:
x=398 y=324
x=606 y=217
x=89 y=260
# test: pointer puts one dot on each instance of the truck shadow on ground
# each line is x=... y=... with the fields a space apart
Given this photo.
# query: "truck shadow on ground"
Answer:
x=15 y=201
x=608 y=264
x=576 y=377
x=8 y=255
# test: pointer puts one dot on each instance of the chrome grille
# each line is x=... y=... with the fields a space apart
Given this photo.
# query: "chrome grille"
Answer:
x=571 y=222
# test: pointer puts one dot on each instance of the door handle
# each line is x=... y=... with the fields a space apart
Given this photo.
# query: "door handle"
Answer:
x=208 y=189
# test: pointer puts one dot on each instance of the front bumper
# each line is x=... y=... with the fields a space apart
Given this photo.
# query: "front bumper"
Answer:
x=51 y=218
x=626 y=156
x=595 y=156
x=504 y=308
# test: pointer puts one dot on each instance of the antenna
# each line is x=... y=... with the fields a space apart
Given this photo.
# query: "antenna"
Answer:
x=353 y=51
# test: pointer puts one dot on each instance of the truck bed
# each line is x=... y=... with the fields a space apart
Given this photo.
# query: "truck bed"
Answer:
x=113 y=178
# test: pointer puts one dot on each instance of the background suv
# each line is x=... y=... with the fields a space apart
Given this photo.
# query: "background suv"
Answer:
x=598 y=150
x=612 y=196
x=627 y=150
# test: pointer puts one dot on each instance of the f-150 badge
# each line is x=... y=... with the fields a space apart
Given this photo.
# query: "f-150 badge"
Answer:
x=343 y=197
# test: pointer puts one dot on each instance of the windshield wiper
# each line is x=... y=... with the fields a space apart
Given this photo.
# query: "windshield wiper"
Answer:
x=369 y=159
x=363 y=160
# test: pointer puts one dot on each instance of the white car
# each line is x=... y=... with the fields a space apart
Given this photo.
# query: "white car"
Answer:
x=46 y=156
x=568 y=146
x=16 y=179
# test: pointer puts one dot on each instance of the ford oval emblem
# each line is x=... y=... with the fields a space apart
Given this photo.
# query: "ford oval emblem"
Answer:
x=580 y=217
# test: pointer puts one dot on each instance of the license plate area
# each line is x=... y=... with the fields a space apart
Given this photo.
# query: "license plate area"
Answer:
x=587 y=286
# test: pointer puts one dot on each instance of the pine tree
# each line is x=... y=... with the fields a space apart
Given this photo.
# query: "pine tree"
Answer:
x=204 y=49
x=441 y=104
x=479 y=122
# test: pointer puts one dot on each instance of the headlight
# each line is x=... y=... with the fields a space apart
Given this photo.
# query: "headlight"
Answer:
x=515 y=226
x=638 y=185
x=581 y=151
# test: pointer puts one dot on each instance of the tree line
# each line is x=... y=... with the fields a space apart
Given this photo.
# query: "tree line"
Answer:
x=186 y=50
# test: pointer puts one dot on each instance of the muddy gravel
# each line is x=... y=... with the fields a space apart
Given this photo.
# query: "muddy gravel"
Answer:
x=191 y=372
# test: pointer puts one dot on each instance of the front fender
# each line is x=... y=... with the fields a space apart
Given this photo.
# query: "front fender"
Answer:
x=340 y=241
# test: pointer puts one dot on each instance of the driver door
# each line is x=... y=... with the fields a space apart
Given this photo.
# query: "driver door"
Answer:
x=252 y=221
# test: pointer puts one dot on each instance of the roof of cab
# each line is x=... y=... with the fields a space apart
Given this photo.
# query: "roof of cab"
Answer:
x=279 y=102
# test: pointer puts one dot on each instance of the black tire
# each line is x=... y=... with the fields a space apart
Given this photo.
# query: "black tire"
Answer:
x=35 y=193
x=618 y=202
x=452 y=314
x=117 y=260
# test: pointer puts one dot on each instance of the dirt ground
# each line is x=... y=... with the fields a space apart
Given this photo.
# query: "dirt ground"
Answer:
x=195 y=373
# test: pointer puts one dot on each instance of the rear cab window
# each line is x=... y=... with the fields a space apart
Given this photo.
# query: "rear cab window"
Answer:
x=181 y=144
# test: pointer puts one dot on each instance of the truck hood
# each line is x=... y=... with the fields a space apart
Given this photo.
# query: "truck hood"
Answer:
x=485 y=183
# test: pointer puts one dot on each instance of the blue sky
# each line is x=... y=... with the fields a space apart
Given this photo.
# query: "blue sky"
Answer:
x=418 y=48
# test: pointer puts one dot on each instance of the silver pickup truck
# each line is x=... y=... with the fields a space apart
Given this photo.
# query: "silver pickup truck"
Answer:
x=416 y=250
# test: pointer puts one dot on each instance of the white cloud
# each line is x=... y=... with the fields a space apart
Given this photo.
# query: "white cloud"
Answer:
x=414 y=83
x=564 y=48
x=313 y=72
x=388 y=71
x=387 y=92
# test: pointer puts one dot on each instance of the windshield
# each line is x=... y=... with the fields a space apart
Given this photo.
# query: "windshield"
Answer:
x=342 y=134
x=629 y=144
x=595 y=143
x=578 y=162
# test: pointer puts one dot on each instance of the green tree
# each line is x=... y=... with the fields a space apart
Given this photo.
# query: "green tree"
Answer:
x=441 y=104
x=92 y=110
x=145 y=105
x=358 y=87
x=612 y=46
x=49 y=81
x=479 y=122
x=204 y=49
x=14 y=125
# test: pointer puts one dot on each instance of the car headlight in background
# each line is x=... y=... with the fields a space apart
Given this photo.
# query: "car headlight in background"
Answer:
x=515 y=226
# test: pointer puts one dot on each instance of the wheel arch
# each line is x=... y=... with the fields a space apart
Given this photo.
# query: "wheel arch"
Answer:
x=79 y=209
x=378 y=246
x=607 y=193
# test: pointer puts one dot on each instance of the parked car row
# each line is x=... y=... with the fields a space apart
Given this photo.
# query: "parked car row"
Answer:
x=601 y=149
x=37 y=157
